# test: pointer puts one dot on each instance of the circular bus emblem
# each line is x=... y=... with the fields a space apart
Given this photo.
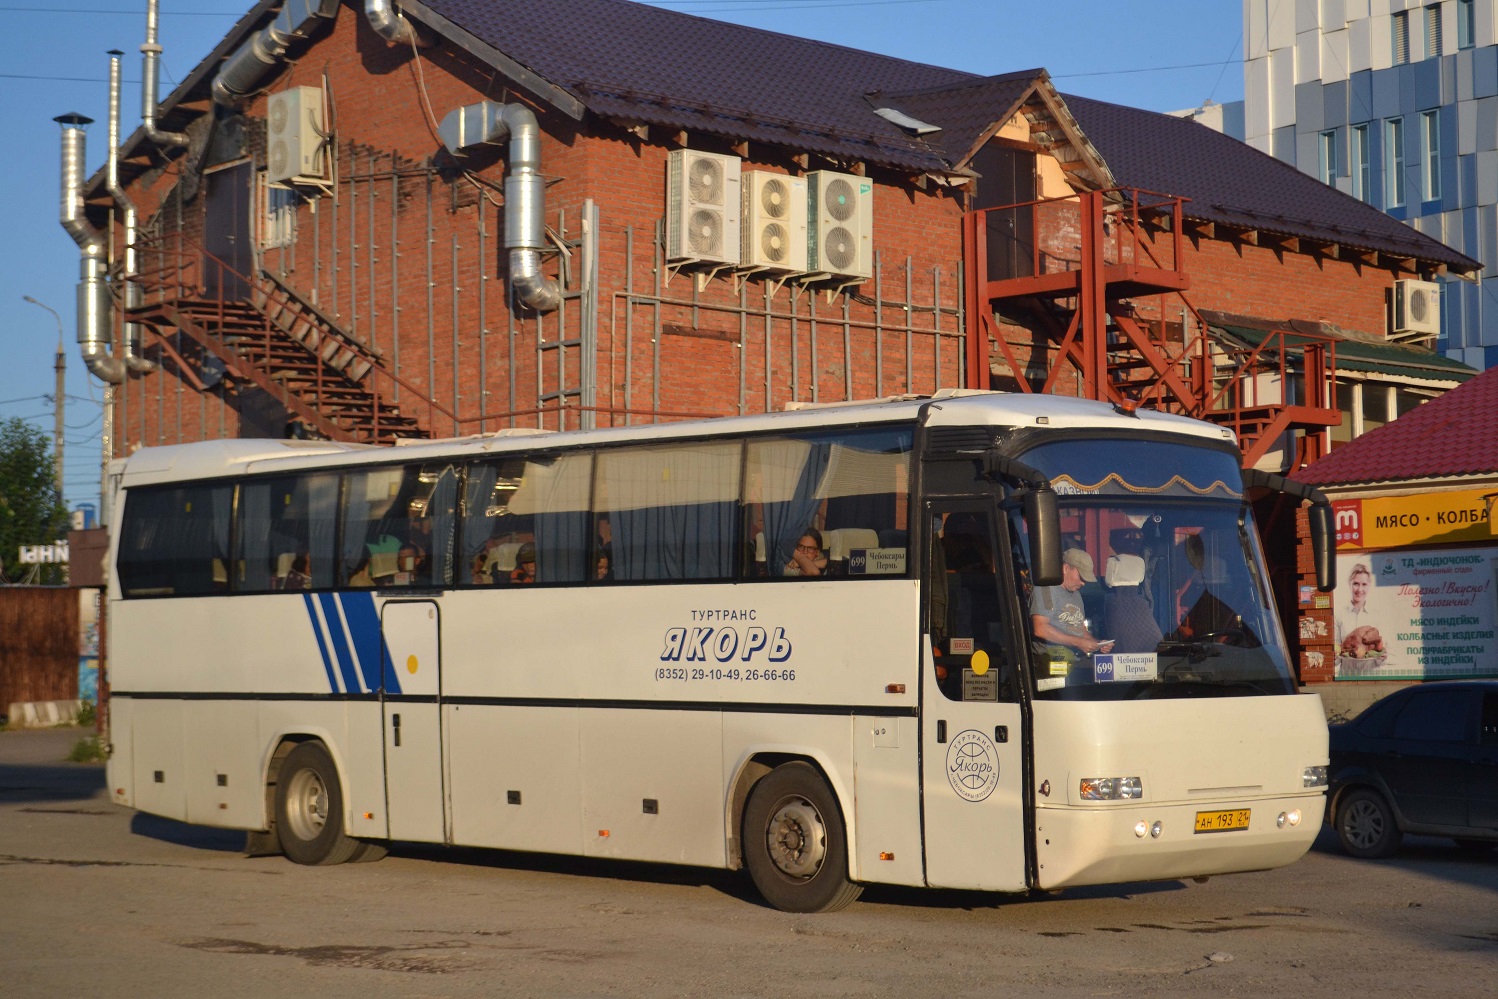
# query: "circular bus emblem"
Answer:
x=973 y=765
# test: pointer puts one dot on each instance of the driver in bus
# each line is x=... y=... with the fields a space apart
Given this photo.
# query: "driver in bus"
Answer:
x=1057 y=616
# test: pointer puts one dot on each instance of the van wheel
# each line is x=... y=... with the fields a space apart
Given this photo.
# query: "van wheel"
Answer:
x=309 y=808
x=1366 y=826
x=794 y=843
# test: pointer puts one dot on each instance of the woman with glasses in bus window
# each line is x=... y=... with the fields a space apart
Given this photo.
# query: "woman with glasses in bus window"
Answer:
x=807 y=558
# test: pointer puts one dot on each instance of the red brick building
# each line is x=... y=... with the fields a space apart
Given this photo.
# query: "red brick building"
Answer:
x=329 y=244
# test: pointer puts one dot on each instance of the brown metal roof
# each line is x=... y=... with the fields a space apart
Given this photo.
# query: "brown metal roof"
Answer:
x=638 y=64
x=1452 y=435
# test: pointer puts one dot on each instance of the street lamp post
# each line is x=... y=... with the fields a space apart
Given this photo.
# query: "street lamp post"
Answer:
x=60 y=367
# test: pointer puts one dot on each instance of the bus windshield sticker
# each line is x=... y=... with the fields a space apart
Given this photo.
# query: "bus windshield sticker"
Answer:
x=1118 y=667
x=876 y=562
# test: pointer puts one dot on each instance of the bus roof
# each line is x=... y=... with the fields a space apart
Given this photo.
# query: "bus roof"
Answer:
x=948 y=407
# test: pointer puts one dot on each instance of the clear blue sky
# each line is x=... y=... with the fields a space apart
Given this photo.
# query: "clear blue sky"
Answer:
x=1156 y=54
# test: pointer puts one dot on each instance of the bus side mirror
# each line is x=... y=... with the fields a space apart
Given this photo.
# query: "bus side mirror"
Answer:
x=1043 y=521
x=1322 y=532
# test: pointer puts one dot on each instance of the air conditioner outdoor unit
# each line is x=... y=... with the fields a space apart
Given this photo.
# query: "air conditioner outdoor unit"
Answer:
x=840 y=223
x=1417 y=309
x=774 y=221
x=294 y=144
x=702 y=207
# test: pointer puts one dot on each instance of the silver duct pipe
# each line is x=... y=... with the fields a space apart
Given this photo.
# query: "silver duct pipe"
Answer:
x=390 y=24
x=93 y=286
x=242 y=73
x=150 y=84
x=131 y=296
x=525 y=190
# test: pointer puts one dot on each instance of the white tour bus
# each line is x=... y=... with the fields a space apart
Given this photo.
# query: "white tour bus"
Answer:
x=802 y=643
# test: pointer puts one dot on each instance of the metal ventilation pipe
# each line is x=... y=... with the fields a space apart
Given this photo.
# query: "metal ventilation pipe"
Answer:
x=241 y=73
x=390 y=24
x=525 y=190
x=131 y=295
x=150 y=84
x=93 y=286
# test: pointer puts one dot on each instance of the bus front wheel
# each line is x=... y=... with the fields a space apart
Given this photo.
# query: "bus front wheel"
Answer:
x=794 y=843
x=309 y=809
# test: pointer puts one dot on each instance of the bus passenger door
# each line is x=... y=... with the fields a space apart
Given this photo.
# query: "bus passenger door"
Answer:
x=414 y=779
x=972 y=743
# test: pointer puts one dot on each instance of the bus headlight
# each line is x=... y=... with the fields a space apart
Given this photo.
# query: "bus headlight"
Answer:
x=1313 y=777
x=1111 y=788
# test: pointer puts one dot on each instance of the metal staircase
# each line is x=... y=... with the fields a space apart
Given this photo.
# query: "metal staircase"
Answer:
x=1100 y=305
x=267 y=335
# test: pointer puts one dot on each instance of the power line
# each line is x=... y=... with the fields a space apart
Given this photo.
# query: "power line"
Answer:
x=721 y=6
x=122 y=13
x=1141 y=69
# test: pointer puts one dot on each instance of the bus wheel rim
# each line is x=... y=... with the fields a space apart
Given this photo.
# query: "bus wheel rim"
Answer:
x=797 y=839
x=307 y=805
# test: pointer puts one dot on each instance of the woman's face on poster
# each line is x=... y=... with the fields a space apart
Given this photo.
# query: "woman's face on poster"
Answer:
x=1359 y=585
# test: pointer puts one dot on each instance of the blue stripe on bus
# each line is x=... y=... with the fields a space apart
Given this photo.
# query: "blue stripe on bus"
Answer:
x=369 y=643
x=322 y=646
x=334 y=618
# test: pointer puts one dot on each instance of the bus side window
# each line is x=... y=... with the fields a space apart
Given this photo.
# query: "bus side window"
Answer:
x=670 y=511
x=175 y=541
x=849 y=486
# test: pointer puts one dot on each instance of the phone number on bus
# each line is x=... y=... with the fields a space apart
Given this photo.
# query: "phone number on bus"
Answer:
x=749 y=675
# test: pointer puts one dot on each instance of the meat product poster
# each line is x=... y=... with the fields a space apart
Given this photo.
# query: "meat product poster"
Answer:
x=1416 y=614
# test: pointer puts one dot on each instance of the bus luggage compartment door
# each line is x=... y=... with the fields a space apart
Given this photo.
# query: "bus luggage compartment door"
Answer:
x=414 y=777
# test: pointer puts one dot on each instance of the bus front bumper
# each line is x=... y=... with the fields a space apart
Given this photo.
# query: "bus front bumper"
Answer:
x=1150 y=842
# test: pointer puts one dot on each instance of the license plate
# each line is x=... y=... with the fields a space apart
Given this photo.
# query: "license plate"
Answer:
x=1209 y=822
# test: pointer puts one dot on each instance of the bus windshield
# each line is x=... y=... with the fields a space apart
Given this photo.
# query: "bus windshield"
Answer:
x=1164 y=591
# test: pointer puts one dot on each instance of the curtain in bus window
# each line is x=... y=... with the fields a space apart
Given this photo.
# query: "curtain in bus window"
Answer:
x=322 y=519
x=480 y=515
x=286 y=533
x=255 y=539
x=790 y=474
x=368 y=501
x=861 y=485
x=433 y=515
x=553 y=494
x=672 y=510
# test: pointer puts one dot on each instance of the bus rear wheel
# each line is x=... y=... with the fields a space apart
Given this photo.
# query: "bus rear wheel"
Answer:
x=309 y=809
x=794 y=843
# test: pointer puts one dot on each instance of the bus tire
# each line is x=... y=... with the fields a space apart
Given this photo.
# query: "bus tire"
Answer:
x=309 y=808
x=369 y=850
x=1366 y=825
x=794 y=843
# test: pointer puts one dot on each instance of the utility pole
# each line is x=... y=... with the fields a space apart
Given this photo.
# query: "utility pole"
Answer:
x=61 y=368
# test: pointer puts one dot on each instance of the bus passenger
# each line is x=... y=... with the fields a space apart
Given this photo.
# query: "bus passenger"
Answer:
x=807 y=558
x=299 y=576
x=411 y=562
x=1056 y=612
x=525 y=564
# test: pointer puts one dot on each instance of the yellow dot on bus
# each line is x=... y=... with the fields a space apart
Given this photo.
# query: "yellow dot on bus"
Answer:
x=410 y=664
x=979 y=662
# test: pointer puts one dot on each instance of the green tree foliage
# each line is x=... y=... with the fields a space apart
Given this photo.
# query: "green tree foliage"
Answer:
x=31 y=512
